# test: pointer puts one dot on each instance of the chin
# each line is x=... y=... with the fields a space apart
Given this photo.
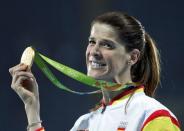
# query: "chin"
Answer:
x=99 y=76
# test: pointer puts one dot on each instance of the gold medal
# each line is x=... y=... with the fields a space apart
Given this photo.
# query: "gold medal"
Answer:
x=28 y=56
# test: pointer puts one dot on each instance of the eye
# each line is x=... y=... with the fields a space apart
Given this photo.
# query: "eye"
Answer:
x=92 y=42
x=107 y=45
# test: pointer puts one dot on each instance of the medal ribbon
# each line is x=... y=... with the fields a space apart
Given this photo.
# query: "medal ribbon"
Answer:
x=41 y=61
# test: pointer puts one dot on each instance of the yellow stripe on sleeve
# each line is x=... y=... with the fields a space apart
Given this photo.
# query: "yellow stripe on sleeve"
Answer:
x=162 y=123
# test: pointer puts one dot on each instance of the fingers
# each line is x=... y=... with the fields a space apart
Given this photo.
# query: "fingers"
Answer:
x=16 y=84
x=23 y=93
x=29 y=76
x=20 y=77
x=24 y=83
x=19 y=67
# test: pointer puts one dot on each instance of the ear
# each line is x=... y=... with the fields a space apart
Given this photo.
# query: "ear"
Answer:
x=134 y=56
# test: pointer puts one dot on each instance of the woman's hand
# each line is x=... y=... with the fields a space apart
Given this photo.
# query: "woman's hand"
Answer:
x=25 y=85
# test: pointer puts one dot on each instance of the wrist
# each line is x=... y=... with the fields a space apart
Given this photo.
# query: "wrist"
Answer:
x=32 y=112
x=40 y=129
x=35 y=126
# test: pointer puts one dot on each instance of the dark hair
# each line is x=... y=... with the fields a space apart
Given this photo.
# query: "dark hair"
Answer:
x=147 y=70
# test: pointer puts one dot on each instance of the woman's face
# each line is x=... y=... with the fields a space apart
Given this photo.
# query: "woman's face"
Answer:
x=106 y=57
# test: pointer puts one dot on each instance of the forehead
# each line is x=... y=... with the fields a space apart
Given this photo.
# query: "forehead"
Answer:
x=103 y=31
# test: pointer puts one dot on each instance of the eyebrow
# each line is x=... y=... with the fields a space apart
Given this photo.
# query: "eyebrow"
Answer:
x=91 y=38
x=103 y=40
x=108 y=41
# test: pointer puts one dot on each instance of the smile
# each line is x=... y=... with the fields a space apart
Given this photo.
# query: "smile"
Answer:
x=97 y=65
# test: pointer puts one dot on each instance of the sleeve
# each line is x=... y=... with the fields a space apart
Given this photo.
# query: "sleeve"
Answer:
x=161 y=120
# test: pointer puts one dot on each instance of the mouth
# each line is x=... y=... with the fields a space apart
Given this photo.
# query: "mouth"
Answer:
x=97 y=64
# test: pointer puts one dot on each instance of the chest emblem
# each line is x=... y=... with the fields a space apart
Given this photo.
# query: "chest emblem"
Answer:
x=122 y=126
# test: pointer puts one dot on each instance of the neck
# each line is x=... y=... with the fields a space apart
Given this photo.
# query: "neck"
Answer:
x=109 y=95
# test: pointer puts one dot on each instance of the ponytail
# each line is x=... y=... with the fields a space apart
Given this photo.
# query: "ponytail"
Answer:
x=147 y=70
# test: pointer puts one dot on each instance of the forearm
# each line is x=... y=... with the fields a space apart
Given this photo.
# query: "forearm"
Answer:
x=33 y=117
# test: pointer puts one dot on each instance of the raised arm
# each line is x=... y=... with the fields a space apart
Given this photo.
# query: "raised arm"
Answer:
x=25 y=85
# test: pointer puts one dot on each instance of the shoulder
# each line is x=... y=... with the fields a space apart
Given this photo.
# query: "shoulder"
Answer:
x=81 y=122
x=157 y=116
x=145 y=104
x=150 y=104
x=82 y=119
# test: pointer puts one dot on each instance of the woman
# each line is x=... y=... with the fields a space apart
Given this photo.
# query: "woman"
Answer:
x=119 y=50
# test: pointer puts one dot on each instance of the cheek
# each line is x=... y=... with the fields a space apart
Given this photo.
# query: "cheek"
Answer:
x=119 y=61
x=87 y=52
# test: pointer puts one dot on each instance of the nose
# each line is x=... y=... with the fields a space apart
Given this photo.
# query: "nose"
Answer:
x=95 y=52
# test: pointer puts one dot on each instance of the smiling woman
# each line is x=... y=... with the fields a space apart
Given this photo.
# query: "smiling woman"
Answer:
x=106 y=55
x=119 y=50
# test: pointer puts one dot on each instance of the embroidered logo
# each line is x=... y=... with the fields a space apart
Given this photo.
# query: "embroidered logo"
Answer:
x=122 y=126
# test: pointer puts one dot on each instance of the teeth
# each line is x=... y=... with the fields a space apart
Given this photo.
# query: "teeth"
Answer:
x=97 y=65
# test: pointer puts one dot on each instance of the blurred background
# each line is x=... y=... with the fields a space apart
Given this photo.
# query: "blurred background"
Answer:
x=60 y=30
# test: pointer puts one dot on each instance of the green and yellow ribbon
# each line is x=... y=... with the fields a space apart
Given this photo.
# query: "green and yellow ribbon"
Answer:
x=41 y=61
